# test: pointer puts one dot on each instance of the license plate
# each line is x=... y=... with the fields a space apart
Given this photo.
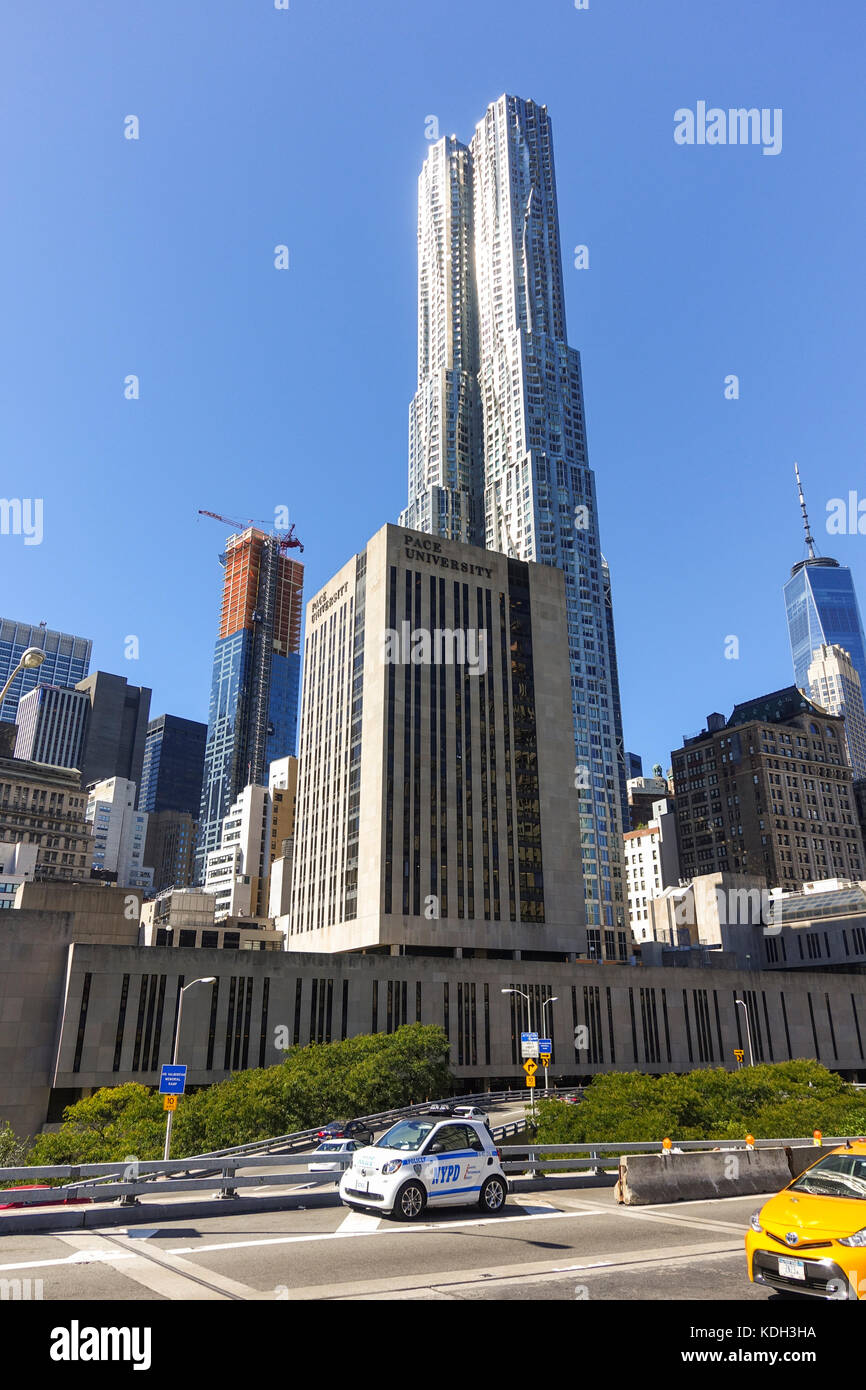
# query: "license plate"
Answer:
x=363 y=1184
x=792 y=1269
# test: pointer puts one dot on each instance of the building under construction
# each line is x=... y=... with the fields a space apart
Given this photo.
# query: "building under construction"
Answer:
x=253 y=713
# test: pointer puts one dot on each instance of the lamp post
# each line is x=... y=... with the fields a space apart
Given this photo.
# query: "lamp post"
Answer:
x=206 y=980
x=531 y=1029
x=742 y=1005
x=32 y=658
x=552 y=1000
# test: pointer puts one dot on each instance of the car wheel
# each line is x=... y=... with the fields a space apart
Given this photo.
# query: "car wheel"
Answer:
x=492 y=1196
x=409 y=1202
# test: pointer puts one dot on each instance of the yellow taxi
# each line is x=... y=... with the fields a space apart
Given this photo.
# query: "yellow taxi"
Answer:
x=811 y=1237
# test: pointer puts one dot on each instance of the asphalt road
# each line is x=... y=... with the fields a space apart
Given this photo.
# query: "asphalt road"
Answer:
x=573 y=1243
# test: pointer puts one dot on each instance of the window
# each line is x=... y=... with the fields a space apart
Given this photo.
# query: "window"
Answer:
x=454 y=1138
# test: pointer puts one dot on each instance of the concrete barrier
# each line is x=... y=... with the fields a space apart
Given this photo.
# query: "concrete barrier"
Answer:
x=647 y=1179
x=802 y=1156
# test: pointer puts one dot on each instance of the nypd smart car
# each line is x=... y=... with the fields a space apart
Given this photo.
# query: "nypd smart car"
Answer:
x=426 y=1161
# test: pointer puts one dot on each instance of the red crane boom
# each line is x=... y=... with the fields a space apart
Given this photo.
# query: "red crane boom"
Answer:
x=288 y=541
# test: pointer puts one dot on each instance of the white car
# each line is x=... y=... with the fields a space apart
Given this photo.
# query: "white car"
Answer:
x=427 y=1161
x=471 y=1112
x=325 y=1158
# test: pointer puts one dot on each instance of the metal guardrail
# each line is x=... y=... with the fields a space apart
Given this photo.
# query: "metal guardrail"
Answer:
x=99 y=1180
x=383 y=1119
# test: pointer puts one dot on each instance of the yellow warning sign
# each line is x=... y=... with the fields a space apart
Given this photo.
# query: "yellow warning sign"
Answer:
x=545 y=1059
x=169 y=1102
x=530 y=1066
x=530 y=1080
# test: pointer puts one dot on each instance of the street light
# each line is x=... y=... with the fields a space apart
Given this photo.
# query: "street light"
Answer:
x=32 y=658
x=206 y=980
x=529 y=1018
x=742 y=1005
x=552 y=1000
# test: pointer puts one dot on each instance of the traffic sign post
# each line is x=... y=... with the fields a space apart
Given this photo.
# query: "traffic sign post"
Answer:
x=529 y=1044
x=172 y=1080
x=545 y=1048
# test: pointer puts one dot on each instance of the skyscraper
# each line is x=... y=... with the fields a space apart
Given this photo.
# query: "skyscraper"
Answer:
x=436 y=807
x=253 y=713
x=173 y=765
x=116 y=728
x=822 y=609
x=52 y=725
x=67 y=660
x=497 y=442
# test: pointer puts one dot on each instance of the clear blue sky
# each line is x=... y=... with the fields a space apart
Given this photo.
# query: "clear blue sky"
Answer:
x=260 y=388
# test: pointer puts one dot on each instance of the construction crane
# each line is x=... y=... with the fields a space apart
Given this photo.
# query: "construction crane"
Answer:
x=289 y=541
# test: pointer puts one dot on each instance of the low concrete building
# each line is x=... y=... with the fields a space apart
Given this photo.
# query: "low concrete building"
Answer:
x=78 y=1012
x=187 y=918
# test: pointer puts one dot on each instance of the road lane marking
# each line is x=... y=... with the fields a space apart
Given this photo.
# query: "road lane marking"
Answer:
x=361 y=1221
x=165 y=1275
x=492 y=1222
x=436 y=1285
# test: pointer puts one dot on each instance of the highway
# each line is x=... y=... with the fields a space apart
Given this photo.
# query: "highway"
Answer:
x=569 y=1242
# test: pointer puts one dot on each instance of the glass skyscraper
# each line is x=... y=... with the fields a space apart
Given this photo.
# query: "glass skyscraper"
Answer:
x=67 y=660
x=822 y=609
x=253 y=715
x=497 y=436
x=173 y=765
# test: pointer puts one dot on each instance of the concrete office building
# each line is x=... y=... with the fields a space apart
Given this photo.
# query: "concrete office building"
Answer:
x=116 y=729
x=497 y=434
x=44 y=806
x=437 y=807
x=173 y=765
x=77 y=1013
x=769 y=792
x=237 y=871
x=283 y=792
x=256 y=677
x=119 y=834
x=67 y=660
x=652 y=863
x=52 y=725
x=833 y=683
x=280 y=886
x=170 y=849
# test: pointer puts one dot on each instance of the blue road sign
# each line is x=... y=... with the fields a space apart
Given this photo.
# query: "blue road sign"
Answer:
x=529 y=1037
x=544 y=1046
x=172 y=1080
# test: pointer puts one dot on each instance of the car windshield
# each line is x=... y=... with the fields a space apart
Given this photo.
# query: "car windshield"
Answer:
x=332 y=1146
x=838 y=1175
x=407 y=1134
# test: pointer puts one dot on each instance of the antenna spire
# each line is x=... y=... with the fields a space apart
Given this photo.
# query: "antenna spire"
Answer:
x=810 y=540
